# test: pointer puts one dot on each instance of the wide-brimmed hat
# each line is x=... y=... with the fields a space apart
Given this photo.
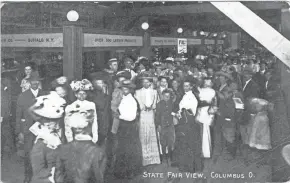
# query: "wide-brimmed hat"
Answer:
x=49 y=106
x=84 y=85
x=145 y=75
x=248 y=70
x=124 y=74
x=127 y=84
x=168 y=60
x=226 y=75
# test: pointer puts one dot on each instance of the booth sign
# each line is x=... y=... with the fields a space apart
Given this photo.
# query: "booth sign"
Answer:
x=182 y=46
x=208 y=41
x=32 y=40
x=106 y=40
x=166 y=41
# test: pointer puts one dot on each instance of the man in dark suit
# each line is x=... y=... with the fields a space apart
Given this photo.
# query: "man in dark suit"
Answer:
x=250 y=88
x=260 y=78
x=24 y=121
x=271 y=86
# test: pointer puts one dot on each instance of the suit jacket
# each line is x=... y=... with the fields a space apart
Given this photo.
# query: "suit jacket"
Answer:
x=80 y=162
x=271 y=92
x=24 y=101
x=103 y=107
x=260 y=79
x=163 y=115
x=252 y=90
x=6 y=91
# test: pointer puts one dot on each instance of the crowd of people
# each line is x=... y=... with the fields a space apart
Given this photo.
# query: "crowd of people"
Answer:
x=175 y=111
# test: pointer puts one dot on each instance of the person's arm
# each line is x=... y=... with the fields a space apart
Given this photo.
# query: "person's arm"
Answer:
x=139 y=99
x=154 y=100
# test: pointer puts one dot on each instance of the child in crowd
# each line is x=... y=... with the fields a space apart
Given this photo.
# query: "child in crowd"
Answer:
x=165 y=125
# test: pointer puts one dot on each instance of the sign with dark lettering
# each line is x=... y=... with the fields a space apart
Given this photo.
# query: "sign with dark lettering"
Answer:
x=104 y=40
x=208 y=41
x=32 y=40
x=182 y=46
x=167 y=41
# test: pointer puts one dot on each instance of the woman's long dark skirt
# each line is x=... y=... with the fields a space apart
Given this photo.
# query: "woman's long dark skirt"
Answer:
x=187 y=152
x=129 y=152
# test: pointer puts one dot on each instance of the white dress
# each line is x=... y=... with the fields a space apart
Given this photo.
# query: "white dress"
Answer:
x=147 y=131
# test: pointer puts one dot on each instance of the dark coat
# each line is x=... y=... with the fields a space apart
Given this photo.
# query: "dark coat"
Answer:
x=43 y=159
x=252 y=90
x=273 y=89
x=103 y=107
x=24 y=101
x=163 y=116
x=6 y=97
x=80 y=162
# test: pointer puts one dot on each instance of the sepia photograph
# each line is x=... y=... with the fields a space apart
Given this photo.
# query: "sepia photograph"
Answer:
x=145 y=91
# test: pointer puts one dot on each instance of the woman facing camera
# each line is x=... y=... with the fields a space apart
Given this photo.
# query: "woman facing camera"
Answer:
x=129 y=152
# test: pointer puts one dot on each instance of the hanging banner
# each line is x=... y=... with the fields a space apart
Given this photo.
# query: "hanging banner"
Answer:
x=32 y=40
x=107 y=40
x=208 y=41
x=193 y=41
x=182 y=46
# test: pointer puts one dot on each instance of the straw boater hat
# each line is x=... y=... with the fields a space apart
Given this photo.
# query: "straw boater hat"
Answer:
x=112 y=60
x=49 y=106
x=83 y=85
x=127 y=84
x=226 y=75
x=169 y=60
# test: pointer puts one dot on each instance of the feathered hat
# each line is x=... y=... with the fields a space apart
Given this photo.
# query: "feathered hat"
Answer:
x=84 y=85
x=49 y=106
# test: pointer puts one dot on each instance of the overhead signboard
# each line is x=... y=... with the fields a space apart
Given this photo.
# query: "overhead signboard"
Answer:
x=220 y=41
x=32 y=40
x=163 y=41
x=193 y=41
x=106 y=40
x=208 y=41
x=182 y=46
x=167 y=41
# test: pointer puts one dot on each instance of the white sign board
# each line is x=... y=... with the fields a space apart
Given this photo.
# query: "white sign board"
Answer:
x=32 y=40
x=106 y=40
x=220 y=41
x=163 y=41
x=166 y=41
x=194 y=41
x=208 y=41
x=182 y=46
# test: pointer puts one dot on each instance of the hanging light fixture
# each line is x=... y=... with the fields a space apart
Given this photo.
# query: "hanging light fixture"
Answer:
x=179 y=30
x=214 y=34
x=72 y=16
x=145 y=25
x=202 y=33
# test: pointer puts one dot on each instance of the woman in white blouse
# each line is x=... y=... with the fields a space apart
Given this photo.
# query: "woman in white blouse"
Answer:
x=81 y=104
x=188 y=142
x=129 y=152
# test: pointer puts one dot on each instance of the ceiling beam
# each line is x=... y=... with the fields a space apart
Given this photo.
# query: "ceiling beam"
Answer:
x=196 y=8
